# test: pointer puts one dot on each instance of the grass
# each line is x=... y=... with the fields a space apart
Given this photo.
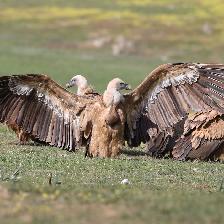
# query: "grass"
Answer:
x=89 y=190
x=58 y=42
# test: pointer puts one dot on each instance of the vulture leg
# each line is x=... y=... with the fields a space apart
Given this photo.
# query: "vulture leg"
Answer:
x=21 y=135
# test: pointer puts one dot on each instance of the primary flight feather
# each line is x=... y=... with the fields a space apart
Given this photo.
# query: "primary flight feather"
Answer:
x=167 y=100
x=83 y=88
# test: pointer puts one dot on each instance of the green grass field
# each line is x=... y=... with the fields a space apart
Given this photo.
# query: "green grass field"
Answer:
x=59 y=38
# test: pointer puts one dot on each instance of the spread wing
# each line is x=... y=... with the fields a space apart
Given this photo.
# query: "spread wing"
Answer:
x=42 y=108
x=157 y=107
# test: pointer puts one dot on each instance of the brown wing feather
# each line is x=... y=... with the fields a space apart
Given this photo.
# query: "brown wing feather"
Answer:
x=41 y=108
x=201 y=131
x=168 y=95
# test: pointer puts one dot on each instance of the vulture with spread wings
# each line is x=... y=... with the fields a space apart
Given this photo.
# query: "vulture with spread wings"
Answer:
x=83 y=88
x=178 y=109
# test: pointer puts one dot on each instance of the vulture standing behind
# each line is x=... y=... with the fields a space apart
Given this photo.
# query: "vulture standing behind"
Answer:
x=177 y=109
x=82 y=89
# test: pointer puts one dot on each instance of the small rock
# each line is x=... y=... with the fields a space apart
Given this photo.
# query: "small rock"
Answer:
x=125 y=182
x=195 y=169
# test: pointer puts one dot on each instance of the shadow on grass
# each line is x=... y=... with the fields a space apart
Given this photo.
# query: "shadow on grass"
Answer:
x=37 y=143
x=132 y=152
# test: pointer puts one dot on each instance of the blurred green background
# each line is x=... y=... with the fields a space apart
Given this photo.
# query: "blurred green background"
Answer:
x=102 y=39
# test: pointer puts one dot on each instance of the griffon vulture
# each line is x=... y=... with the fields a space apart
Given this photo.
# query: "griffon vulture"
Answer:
x=176 y=109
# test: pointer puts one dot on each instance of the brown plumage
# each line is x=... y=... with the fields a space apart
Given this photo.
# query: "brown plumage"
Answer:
x=82 y=89
x=50 y=114
x=20 y=133
x=42 y=109
x=176 y=109
x=203 y=137
x=106 y=120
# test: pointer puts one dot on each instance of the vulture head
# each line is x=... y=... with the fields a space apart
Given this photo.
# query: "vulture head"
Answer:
x=117 y=84
x=112 y=95
x=79 y=81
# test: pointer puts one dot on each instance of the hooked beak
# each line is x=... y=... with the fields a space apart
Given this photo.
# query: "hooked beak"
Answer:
x=70 y=84
x=127 y=87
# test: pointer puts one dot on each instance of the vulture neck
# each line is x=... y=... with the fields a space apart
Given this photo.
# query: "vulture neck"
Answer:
x=82 y=86
x=112 y=96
